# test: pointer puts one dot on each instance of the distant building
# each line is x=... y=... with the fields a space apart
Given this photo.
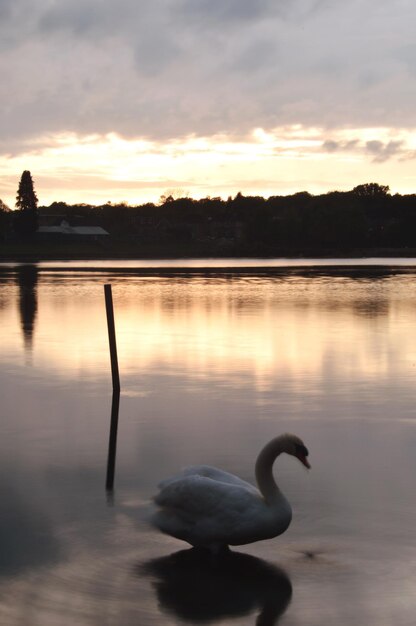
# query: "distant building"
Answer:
x=64 y=230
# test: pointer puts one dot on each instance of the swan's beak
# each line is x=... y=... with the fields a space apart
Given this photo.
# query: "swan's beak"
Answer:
x=302 y=458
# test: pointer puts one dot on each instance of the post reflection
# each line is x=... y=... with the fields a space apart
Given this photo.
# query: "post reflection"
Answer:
x=112 y=443
x=195 y=588
x=27 y=280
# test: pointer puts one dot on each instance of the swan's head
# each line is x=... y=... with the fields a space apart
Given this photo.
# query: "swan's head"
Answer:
x=291 y=444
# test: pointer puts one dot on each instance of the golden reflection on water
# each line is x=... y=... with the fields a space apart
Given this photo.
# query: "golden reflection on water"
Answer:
x=262 y=327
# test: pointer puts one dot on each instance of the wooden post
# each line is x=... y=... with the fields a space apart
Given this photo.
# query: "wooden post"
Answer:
x=112 y=444
x=112 y=337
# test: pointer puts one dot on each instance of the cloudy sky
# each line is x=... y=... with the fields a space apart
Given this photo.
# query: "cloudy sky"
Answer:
x=127 y=99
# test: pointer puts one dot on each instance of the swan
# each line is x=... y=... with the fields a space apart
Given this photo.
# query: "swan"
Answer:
x=212 y=509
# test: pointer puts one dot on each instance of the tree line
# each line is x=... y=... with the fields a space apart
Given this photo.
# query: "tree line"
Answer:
x=367 y=217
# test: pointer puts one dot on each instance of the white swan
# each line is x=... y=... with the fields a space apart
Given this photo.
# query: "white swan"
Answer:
x=213 y=509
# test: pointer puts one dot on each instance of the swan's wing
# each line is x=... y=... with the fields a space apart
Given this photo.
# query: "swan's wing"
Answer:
x=209 y=472
x=196 y=497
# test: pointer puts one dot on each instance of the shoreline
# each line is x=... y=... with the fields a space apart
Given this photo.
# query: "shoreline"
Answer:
x=33 y=257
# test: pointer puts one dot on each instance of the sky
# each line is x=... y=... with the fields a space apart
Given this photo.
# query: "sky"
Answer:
x=128 y=100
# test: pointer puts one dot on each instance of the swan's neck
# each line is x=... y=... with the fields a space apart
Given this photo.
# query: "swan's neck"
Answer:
x=264 y=470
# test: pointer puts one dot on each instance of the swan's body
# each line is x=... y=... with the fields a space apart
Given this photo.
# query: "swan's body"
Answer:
x=210 y=508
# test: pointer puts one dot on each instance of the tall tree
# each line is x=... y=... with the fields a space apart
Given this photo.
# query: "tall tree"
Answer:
x=26 y=219
x=26 y=198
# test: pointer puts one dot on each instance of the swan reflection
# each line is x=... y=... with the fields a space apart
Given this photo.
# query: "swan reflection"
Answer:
x=195 y=588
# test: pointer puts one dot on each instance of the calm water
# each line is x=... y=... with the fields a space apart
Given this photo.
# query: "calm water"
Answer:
x=213 y=363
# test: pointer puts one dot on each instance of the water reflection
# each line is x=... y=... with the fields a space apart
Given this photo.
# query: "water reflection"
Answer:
x=27 y=535
x=269 y=326
x=194 y=588
x=27 y=280
x=211 y=368
x=112 y=443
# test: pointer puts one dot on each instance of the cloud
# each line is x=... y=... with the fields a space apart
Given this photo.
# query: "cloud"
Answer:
x=6 y=7
x=379 y=150
x=329 y=145
x=208 y=12
x=384 y=151
x=97 y=18
x=165 y=69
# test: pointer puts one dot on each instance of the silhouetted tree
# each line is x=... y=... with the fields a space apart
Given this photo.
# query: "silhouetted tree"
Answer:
x=366 y=217
x=26 y=198
x=371 y=190
x=26 y=219
x=3 y=207
x=4 y=218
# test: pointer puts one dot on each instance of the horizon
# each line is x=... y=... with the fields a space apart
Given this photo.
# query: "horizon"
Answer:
x=175 y=195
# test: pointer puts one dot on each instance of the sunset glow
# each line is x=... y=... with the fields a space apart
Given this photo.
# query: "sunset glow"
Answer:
x=100 y=168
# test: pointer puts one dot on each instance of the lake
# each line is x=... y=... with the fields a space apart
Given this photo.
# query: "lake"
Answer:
x=216 y=358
